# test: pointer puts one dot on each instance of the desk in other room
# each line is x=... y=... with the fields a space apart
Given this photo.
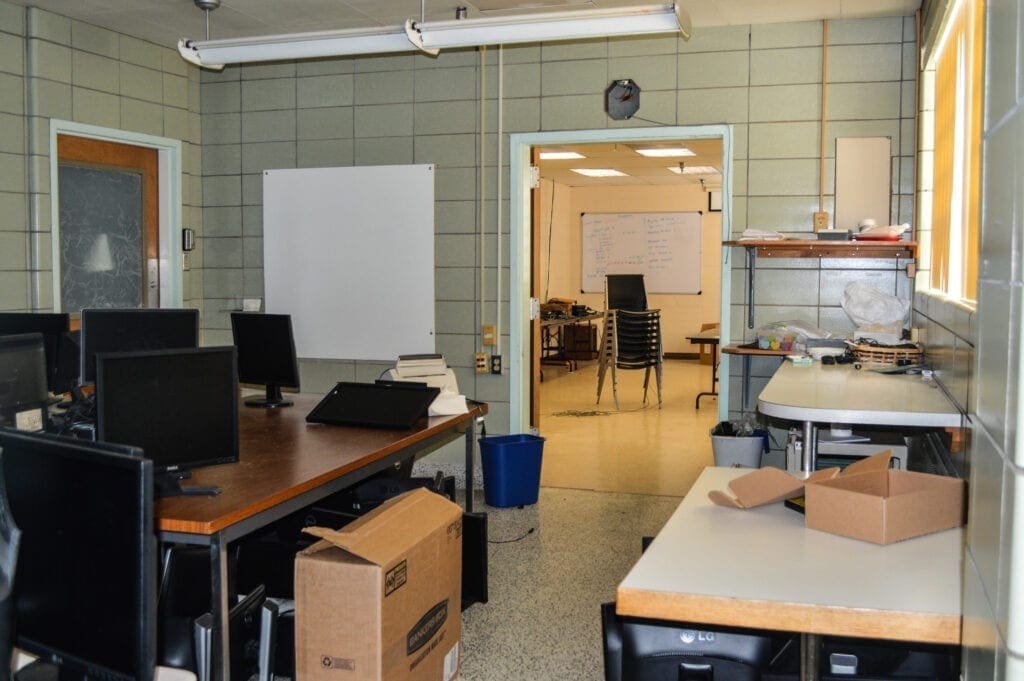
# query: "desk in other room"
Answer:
x=761 y=568
x=286 y=464
x=708 y=337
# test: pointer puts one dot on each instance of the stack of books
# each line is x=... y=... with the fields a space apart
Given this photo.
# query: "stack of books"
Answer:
x=410 y=367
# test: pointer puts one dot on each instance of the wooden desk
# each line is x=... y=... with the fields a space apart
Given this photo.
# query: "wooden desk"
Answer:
x=747 y=351
x=710 y=337
x=761 y=568
x=817 y=393
x=284 y=465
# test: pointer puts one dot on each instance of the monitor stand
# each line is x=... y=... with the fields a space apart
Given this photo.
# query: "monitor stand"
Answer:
x=168 y=484
x=273 y=400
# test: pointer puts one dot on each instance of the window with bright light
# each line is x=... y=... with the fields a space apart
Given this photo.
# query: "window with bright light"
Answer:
x=956 y=171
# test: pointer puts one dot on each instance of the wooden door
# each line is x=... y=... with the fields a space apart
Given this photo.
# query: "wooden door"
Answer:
x=109 y=221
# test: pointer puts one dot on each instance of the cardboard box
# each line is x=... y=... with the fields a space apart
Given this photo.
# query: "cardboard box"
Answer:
x=867 y=500
x=380 y=599
x=885 y=505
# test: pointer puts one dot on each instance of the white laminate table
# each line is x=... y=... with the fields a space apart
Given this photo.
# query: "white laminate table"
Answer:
x=761 y=568
x=839 y=393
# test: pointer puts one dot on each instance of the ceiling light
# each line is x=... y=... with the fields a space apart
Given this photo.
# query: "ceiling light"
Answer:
x=693 y=170
x=433 y=36
x=559 y=155
x=665 y=152
x=599 y=172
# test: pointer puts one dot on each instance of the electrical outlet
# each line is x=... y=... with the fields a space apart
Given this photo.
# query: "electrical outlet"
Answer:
x=820 y=221
x=186 y=262
x=480 y=362
x=489 y=334
x=495 y=364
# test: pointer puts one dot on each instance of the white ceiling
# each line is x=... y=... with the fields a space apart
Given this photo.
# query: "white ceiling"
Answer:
x=165 y=21
x=640 y=170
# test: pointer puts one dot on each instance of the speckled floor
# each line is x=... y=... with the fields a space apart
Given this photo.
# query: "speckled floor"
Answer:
x=610 y=476
x=542 y=622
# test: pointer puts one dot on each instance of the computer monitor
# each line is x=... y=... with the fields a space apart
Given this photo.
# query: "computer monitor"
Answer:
x=69 y=362
x=51 y=324
x=130 y=330
x=179 y=406
x=266 y=354
x=626 y=292
x=85 y=586
x=22 y=376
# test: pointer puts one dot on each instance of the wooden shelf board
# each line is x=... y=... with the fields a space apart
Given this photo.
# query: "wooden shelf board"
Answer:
x=814 y=248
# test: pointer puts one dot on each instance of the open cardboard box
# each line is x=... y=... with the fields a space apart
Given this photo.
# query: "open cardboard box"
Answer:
x=867 y=501
x=380 y=598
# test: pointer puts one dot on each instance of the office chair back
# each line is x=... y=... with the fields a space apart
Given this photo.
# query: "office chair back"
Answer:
x=650 y=650
x=625 y=292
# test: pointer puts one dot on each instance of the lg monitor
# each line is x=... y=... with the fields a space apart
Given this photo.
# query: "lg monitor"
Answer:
x=52 y=325
x=179 y=406
x=22 y=377
x=266 y=354
x=134 y=330
x=85 y=585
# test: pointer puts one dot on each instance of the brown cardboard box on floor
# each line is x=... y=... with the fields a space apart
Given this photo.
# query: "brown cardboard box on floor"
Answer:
x=380 y=599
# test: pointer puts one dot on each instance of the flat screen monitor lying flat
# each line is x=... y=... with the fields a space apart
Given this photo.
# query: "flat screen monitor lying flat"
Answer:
x=85 y=585
x=134 y=330
x=388 y=404
x=22 y=376
x=179 y=406
x=52 y=325
x=266 y=354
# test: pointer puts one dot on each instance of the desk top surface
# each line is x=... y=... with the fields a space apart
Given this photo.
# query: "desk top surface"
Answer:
x=706 y=336
x=562 y=321
x=842 y=394
x=281 y=456
x=762 y=568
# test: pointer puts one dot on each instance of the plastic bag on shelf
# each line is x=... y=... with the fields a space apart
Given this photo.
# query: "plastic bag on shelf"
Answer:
x=866 y=305
x=790 y=335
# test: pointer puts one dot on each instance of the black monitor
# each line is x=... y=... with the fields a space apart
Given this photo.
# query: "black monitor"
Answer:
x=51 y=324
x=266 y=354
x=131 y=330
x=22 y=376
x=85 y=586
x=69 y=362
x=626 y=292
x=179 y=406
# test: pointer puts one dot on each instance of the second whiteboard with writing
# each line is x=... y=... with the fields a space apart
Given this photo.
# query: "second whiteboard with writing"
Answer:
x=664 y=247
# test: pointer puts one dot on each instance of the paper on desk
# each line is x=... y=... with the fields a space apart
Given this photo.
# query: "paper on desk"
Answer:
x=761 y=235
x=448 y=404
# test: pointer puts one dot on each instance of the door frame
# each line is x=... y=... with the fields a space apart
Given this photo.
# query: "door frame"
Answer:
x=170 y=200
x=520 y=147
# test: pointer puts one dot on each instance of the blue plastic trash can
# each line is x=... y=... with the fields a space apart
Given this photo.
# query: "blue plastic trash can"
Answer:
x=511 y=466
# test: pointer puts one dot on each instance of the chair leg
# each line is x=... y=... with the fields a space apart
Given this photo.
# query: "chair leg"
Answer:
x=657 y=376
x=647 y=380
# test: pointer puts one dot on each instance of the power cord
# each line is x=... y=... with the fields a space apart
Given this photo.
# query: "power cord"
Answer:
x=512 y=541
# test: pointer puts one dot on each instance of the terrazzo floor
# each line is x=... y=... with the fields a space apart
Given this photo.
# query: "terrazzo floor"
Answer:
x=561 y=559
x=609 y=478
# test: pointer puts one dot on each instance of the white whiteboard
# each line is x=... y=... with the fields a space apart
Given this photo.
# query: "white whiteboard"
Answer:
x=664 y=247
x=349 y=253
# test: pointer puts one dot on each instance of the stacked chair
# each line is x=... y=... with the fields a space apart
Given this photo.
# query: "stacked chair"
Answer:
x=631 y=337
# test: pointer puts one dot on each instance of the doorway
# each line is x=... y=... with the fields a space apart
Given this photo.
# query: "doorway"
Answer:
x=522 y=327
x=116 y=207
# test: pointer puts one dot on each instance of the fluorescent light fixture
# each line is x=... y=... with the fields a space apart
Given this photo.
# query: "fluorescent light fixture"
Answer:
x=559 y=155
x=693 y=170
x=599 y=172
x=665 y=152
x=430 y=37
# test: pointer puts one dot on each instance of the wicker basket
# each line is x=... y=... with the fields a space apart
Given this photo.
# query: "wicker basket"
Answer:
x=873 y=354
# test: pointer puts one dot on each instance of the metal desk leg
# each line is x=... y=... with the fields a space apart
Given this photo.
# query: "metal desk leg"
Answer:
x=220 y=658
x=714 y=375
x=810 y=453
x=746 y=382
x=810 y=646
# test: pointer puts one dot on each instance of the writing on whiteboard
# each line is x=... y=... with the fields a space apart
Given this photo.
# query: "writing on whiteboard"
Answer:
x=664 y=247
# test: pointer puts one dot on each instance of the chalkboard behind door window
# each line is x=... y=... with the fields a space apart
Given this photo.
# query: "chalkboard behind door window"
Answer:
x=664 y=247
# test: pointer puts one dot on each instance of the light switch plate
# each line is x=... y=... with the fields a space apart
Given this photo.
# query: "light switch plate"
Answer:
x=820 y=221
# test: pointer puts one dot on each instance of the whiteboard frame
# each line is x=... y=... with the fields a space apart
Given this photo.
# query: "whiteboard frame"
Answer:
x=348 y=252
x=652 y=283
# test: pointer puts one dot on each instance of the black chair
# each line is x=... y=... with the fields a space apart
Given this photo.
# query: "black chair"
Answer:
x=652 y=650
x=630 y=340
x=625 y=292
x=10 y=538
